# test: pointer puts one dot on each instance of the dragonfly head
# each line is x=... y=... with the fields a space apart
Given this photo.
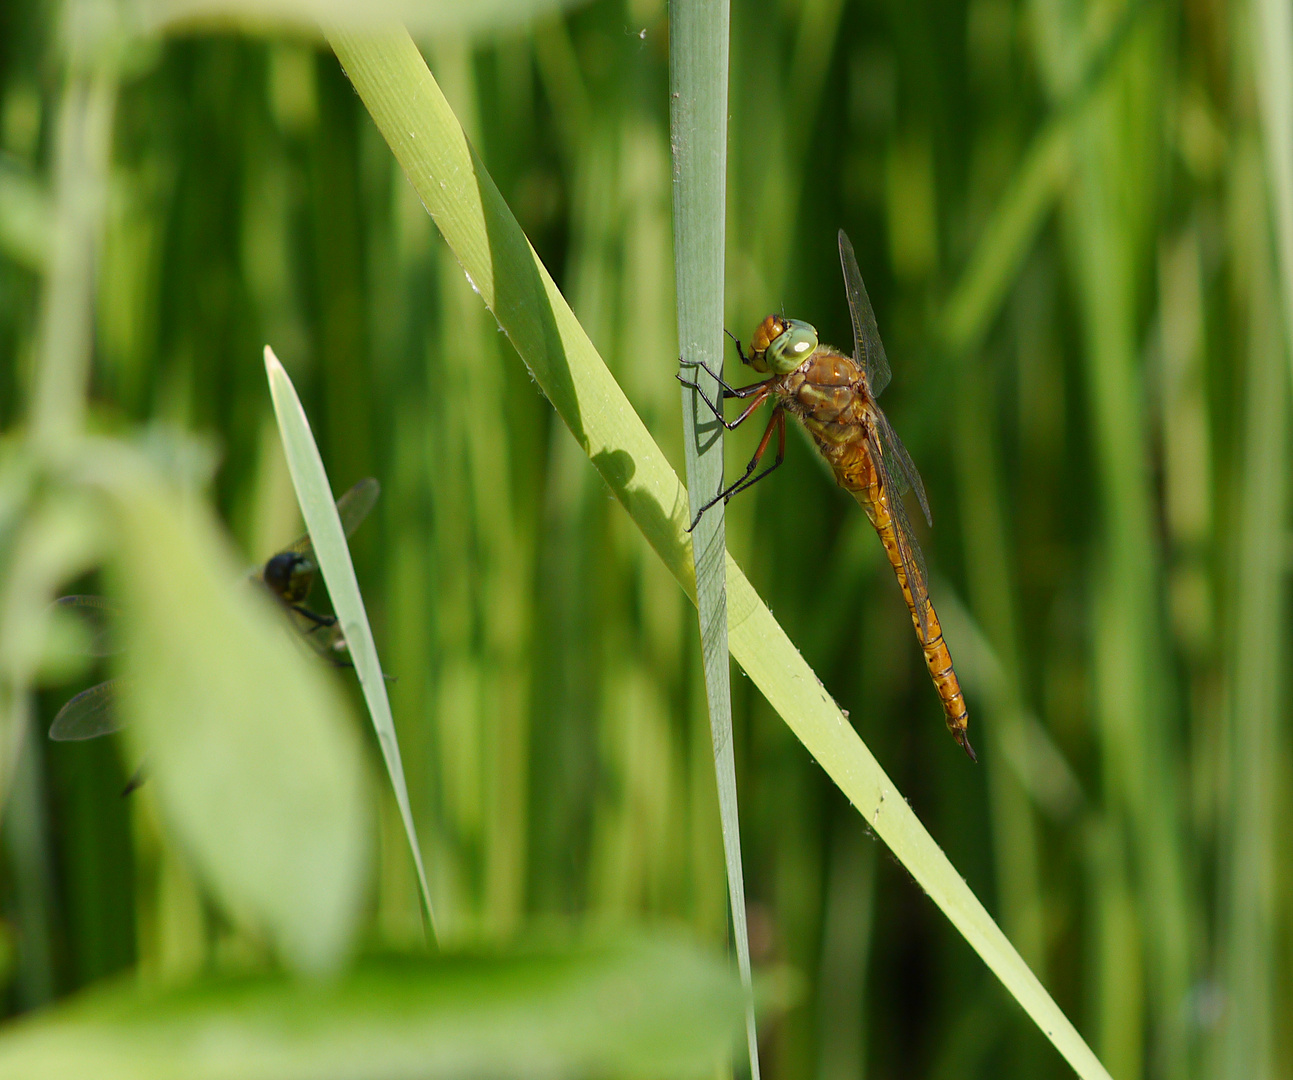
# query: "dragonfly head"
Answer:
x=289 y=575
x=781 y=345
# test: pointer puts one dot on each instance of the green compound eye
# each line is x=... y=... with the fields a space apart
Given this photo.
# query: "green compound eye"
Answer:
x=791 y=347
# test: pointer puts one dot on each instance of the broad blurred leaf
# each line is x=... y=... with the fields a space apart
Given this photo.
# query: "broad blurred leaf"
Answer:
x=652 y=1008
x=254 y=760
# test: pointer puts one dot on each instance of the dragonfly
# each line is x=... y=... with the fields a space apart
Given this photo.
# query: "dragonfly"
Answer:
x=834 y=396
x=288 y=575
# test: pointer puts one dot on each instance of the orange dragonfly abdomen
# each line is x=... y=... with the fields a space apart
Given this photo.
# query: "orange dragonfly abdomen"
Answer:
x=855 y=473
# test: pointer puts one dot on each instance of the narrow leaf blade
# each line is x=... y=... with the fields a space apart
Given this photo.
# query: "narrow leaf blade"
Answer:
x=333 y=554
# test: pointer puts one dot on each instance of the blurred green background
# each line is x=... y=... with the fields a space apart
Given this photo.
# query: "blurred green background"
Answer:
x=1063 y=217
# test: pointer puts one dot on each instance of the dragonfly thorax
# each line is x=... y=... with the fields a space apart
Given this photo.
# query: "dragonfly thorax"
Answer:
x=781 y=345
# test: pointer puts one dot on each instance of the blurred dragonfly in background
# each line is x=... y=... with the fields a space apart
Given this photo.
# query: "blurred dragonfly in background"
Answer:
x=834 y=397
x=288 y=575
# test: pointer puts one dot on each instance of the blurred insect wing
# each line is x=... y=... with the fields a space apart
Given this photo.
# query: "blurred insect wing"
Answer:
x=91 y=713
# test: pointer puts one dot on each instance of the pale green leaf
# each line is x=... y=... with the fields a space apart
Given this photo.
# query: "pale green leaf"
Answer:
x=250 y=750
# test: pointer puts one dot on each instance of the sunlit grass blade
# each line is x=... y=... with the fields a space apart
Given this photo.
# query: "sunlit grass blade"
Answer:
x=417 y=123
x=329 y=540
x=1272 y=24
x=792 y=688
x=698 y=43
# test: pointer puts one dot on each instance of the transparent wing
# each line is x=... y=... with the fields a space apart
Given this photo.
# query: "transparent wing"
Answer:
x=913 y=562
x=354 y=505
x=901 y=469
x=867 y=346
x=91 y=713
x=352 y=508
x=98 y=616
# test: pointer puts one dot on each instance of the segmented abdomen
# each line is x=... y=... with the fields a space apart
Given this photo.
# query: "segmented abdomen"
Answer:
x=855 y=472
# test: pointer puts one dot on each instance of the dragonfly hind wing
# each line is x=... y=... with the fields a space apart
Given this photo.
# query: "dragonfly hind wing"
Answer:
x=867 y=346
x=353 y=506
x=900 y=466
x=91 y=713
x=356 y=503
x=98 y=616
x=913 y=560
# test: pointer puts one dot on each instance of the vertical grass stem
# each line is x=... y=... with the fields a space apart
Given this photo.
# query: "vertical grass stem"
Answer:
x=698 y=60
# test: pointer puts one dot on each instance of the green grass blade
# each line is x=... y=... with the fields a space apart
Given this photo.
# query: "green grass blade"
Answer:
x=1273 y=45
x=417 y=123
x=329 y=539
x=698 y=42
x=1250 y=931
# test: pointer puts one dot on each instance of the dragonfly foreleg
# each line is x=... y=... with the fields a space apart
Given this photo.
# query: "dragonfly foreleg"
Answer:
x=737 y=342
x=320 y=621
x=714 y=407
x=729 y=391
x=777 y=421
x=338 y=662
x=133 y=783
x=760 y=391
